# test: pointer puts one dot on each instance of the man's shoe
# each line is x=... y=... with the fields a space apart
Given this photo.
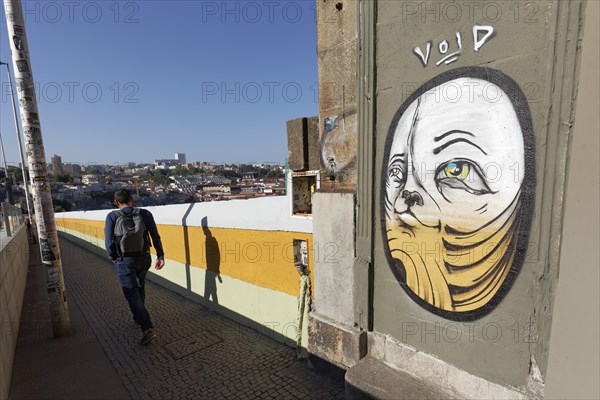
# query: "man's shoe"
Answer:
x=148 y=337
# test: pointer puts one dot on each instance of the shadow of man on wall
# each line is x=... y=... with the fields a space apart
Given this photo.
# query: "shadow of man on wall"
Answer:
x=213 y=264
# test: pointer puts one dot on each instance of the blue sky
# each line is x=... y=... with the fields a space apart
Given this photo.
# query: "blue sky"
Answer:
x=141 y=80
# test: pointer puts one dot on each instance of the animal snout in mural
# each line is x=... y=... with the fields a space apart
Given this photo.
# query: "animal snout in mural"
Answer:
x=457 y=191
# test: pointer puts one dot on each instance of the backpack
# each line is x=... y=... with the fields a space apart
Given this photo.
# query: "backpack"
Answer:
x=129 y=234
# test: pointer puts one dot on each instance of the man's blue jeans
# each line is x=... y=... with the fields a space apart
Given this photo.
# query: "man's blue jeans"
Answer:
x=132 y=273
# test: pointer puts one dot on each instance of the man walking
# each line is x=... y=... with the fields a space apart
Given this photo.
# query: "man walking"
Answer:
x=127 y=233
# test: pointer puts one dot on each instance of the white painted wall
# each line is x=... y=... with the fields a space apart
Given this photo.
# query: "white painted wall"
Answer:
x=271 y=309
x=268 y=213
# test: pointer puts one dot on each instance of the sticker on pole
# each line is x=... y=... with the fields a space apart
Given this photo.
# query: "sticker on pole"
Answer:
x=22 y=66
x=18 y=42
x=26 y=102
x=18 y=30
x=47 y=253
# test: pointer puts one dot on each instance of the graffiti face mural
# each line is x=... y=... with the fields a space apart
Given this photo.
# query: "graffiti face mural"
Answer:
x=457 y=183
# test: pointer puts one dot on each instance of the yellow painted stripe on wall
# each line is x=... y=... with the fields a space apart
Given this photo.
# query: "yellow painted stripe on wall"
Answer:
x=263 y=258
x=87 y=226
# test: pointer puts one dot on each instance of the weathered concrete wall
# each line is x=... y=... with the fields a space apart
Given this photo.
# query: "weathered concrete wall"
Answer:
x=14 y=260
x=466 y=113
x=574 y=362
x=487 y=312
x=303 y=144
x=337 y=35
x=333 y=268
x=334 y=336
x=235 y=257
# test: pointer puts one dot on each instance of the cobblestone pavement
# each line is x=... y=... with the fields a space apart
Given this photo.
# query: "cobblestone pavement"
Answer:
x=198 y=354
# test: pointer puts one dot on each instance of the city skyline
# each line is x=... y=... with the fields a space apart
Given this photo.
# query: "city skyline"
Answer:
x=125 y=163
x=178 y=77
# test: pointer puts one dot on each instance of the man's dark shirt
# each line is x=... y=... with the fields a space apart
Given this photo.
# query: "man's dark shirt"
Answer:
x=146 y=215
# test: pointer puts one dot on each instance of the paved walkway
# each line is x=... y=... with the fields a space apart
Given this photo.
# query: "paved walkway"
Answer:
x=198 y=354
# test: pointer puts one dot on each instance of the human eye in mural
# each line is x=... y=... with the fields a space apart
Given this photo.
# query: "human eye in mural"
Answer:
x=457 y=193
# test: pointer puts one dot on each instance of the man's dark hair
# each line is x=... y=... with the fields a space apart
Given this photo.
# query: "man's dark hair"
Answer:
x=123 y=196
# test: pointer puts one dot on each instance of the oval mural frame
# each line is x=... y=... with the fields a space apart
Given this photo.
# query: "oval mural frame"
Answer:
x=527 y=196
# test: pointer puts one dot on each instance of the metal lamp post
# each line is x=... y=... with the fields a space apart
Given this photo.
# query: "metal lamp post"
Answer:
x=36 y=157
x=7 y=181
x=15 y=115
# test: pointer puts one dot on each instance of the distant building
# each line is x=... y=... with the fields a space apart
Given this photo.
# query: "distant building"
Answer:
x=196 y=183
x=57 y=165
x=90 y=179
x=249 y=176
x=164 y=163
x=200 y=165
x=180 y=158
x=95 y=169
x=73 y=169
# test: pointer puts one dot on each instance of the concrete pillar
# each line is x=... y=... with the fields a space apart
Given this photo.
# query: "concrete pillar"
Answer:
x=334 y=336
x=573 y=363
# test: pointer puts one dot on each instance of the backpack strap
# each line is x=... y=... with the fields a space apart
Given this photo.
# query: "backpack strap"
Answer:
x=138 y=211
x=119 y=213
